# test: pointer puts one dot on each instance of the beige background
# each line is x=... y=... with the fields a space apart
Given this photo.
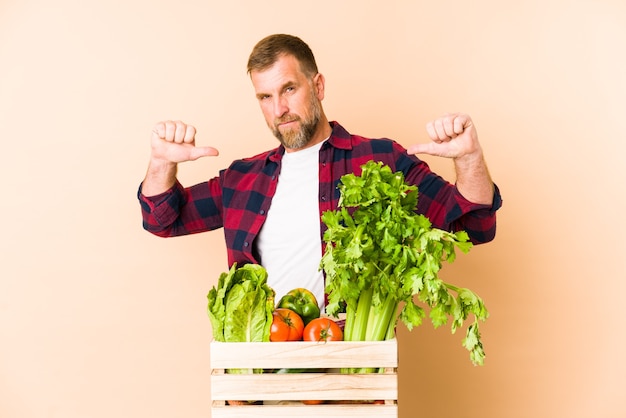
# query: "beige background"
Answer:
x=100 y=319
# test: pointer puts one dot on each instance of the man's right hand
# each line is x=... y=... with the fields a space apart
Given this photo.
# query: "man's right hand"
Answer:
x=172 y=142
x=175 y=142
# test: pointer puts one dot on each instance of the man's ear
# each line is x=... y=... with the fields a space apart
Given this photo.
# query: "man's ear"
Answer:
x=319 y=83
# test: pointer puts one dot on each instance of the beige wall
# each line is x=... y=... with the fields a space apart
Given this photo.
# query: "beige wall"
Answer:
x=100 y=319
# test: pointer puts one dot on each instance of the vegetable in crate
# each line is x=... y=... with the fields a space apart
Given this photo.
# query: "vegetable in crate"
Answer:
x=240 y=307
x=322 y=329
x=301 y=301
x=381 y=253
x=286 y=326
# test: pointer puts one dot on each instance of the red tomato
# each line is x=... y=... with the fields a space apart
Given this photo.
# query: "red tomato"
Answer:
x=286 y=326
x=322 y=329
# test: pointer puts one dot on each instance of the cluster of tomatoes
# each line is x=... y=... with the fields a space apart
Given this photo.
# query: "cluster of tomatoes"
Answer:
x=289 y=326
x=296 y=319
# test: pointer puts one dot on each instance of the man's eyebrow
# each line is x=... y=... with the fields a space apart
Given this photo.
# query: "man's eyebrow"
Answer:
x=286 y=85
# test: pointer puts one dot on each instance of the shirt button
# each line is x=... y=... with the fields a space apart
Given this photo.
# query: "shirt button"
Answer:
x=262 y=212
x=323 y=198
x=245 y=244
x=274 y=177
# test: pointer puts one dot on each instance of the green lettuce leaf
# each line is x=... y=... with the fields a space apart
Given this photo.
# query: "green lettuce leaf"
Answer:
x=240 y=307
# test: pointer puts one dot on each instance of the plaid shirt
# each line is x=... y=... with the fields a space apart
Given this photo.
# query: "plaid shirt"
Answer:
x=239 y=198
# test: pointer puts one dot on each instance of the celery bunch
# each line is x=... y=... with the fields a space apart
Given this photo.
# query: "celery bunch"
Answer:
x=380 y=254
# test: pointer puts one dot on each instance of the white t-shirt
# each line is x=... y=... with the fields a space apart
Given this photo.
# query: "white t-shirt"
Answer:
x=289 y=242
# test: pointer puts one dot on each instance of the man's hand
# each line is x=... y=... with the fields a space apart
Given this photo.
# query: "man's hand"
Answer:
x=172 y=143
x=175 y=142
x=453 y=136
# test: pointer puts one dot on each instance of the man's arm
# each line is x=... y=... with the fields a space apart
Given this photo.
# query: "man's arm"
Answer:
x=454 y=136
x=172 y=142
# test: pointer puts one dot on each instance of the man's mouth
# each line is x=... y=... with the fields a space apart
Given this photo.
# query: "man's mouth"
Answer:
x=286 y=122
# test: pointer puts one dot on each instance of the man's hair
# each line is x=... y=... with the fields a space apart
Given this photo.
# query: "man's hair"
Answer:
x=267 y=51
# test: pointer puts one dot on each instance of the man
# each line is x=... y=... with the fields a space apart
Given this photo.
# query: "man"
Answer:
x=270 y=205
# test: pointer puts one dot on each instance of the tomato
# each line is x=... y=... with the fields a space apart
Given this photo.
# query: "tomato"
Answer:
x=312 y=401
x=322 y=329
x=286 y=326
x=279 y=330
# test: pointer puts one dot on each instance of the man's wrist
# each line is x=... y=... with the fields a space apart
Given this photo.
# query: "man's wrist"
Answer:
x=161 y=176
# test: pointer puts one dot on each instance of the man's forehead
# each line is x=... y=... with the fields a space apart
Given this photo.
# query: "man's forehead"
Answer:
x=286 y=69
x=284 y=62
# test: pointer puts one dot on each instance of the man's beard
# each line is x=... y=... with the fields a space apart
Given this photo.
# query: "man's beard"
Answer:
x=296 y=139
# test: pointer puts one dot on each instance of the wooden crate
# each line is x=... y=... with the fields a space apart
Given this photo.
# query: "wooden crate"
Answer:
x=280 y=395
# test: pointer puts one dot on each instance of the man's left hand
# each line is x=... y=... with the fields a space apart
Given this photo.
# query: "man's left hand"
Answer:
x=453 y=136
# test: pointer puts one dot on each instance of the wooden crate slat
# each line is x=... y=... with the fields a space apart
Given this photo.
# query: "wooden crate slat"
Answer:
x=292 y=410
x=303 y=354
x=271 y=386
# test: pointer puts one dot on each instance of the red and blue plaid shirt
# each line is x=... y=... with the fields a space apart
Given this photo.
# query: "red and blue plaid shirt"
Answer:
x=240 y=197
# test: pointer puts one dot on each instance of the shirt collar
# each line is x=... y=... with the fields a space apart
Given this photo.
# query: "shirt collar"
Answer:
x=339 y=138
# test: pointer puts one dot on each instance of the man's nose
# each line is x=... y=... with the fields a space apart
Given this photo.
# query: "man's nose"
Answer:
x=280 y=107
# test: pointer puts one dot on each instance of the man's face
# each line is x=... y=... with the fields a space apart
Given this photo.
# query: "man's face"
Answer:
x=291 y=103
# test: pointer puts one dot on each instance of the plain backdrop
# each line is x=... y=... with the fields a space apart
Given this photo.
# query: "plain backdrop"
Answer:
x=100 y=319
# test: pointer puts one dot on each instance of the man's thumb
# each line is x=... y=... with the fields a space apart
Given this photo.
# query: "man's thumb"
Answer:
x=199 y=152
x=420 y=149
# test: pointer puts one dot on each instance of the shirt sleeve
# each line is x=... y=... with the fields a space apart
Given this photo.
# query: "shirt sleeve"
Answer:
x=479 y=221
x=160 y=212
x=442 y=203
x=182 y=211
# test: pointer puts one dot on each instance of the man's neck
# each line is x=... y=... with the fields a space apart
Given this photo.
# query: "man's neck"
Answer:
x=322 y=133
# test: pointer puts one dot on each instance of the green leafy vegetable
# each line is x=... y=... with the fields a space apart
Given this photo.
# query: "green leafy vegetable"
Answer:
x=381 y=255
x=240 y=307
